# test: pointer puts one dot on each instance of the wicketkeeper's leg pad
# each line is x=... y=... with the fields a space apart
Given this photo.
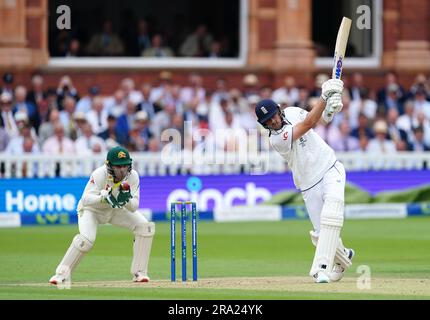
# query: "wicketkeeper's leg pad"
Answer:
x=331 y=225
x=77 y=250
x=144 y=233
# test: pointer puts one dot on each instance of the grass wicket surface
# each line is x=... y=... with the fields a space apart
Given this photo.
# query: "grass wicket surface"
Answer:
x=253 y=260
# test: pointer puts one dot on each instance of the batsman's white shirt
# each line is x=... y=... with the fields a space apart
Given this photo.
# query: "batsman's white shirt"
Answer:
x=101 y=180
x=309 y=157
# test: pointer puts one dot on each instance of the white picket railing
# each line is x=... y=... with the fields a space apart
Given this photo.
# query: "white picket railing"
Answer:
x=153 y=164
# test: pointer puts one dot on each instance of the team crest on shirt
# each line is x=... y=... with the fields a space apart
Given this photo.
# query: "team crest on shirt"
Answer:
x=302 y=142
x=286 y=135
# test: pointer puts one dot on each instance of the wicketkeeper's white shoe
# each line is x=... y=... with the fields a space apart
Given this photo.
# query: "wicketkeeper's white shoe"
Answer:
x=140 y=277
x=338 y=270
x=57 y=279
x=321 y=277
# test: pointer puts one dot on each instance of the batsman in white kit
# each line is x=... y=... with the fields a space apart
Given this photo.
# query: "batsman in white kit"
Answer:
x=110 y=196
x=316 y=172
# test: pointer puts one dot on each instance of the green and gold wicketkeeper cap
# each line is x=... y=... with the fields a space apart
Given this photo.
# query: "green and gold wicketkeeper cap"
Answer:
x=118 y=156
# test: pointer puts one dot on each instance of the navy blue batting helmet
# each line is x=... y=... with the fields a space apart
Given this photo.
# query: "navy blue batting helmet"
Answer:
x=265 y=110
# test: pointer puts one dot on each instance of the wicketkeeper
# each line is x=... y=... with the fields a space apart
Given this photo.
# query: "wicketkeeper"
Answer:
x=317 y=174
x=110 y=196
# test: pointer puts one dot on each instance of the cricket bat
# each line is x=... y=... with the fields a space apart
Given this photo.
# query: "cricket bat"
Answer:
x=339 y=51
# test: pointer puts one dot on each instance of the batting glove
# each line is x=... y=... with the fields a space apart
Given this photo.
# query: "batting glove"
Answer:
x=334 y=104
x=331 y=87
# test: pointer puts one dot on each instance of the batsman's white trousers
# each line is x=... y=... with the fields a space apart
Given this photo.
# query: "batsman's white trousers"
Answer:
x=88 y=221
x=332 y=185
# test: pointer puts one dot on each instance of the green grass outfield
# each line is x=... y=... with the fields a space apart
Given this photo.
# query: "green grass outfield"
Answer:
x=252 y=260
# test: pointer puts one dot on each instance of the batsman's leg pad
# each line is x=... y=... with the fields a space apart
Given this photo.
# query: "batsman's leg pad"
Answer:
x=331 y=224
x=77 y=250
x=314 y=237
x=144 y=233
x=341 y=255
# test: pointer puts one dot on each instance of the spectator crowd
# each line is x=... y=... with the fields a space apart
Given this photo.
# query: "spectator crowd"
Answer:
x=142 y=41
x=53 y=121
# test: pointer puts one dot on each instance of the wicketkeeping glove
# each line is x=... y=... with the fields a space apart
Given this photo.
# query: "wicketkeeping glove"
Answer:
x=108 y=197
x=123 y=197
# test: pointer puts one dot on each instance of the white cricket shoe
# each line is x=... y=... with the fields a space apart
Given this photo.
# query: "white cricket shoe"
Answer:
x=58 y=279
x=140 y=277
x=321 y=277
x=338 y=271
